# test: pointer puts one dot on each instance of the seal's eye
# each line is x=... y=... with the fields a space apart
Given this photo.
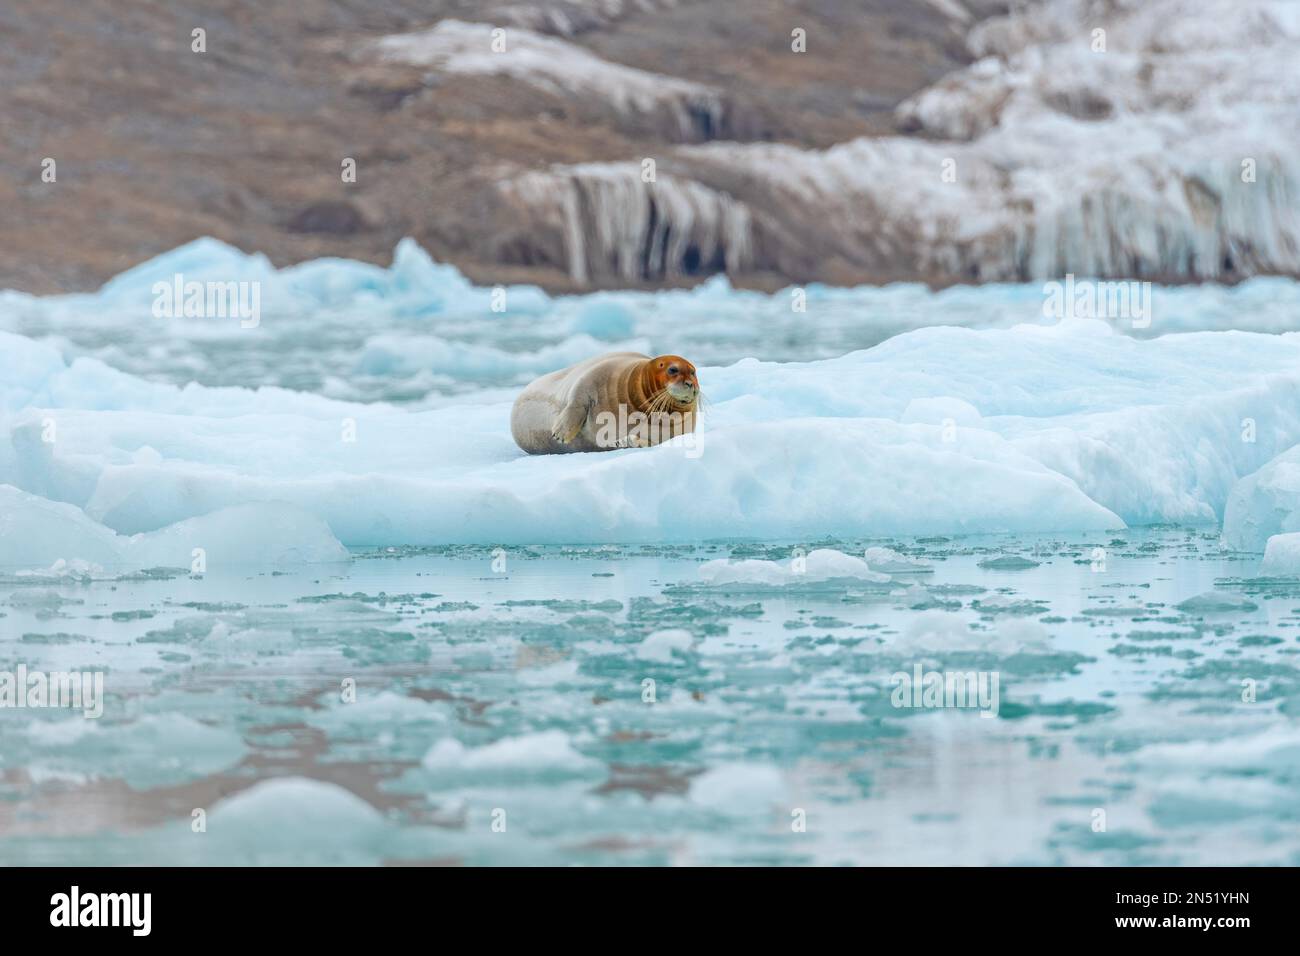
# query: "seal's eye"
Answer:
x=672 y=370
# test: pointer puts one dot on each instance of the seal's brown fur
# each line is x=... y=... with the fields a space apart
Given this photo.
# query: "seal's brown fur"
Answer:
x=611 y=401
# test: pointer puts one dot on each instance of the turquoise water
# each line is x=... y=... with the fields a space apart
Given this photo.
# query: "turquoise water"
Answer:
x=502 y=712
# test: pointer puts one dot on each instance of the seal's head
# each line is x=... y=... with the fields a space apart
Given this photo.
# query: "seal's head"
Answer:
x=675 y=377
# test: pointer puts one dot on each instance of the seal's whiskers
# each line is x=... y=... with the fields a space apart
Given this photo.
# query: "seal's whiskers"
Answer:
x=609 y=401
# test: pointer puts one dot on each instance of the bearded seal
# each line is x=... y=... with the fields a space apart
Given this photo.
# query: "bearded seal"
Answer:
x=619 y=400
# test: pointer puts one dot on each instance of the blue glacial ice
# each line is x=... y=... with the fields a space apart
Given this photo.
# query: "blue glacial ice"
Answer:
x=895 y=477
x=1008 y=422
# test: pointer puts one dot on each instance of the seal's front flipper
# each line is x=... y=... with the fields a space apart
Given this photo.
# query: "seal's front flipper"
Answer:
x=570 y=421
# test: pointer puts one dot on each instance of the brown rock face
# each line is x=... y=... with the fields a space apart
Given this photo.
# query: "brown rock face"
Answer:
x=155 y=143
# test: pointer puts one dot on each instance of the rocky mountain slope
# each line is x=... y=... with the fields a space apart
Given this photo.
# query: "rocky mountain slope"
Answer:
x=156 y=144
x=633 y=143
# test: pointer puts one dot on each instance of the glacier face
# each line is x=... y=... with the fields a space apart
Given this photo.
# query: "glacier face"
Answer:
x=1018 y=423
x=617 y=225
x=1151 y=138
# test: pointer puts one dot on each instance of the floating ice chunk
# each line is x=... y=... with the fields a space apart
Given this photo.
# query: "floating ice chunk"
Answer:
x=1264 y=504
x=40 y=598
x=823 y=564
x=1008 y=562
x=889 y=561
x=202 y=260
x=74 y=570
x=661 y=645
x=548 y=751
x=739 y=789
x=152 y=751
x=918 y=597
x=1274 y=750
x=290 y=812
x=941 y=632
x=1282 y=555
x=1211 y=602
x=376 y=712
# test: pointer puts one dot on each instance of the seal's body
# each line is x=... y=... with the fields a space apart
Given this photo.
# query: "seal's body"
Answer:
x=619 y=400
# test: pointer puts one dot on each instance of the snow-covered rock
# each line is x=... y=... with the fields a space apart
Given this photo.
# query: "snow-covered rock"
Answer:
x=570 y=17
x=688 y=111
x=1161 y=147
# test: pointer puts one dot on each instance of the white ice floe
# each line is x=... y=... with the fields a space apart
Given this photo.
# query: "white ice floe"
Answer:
x=548 y=751
x=1069 y=426
x=1276 y=748
x=151 y=751
x=1079 y=428
x=888 y=561
x=1282 y=555
x=823 y=564
x=938 y=632
x=739 y=789
x=36 y=532
x=1212 y=602
x=661 y=646
x=1264 y=503
x=283 y=812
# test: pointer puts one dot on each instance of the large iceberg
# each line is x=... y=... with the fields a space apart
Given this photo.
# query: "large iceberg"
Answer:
x=1037 y=426
x=1264 y=504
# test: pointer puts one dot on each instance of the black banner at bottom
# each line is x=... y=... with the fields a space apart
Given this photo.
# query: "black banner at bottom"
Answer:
x=338 y=905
